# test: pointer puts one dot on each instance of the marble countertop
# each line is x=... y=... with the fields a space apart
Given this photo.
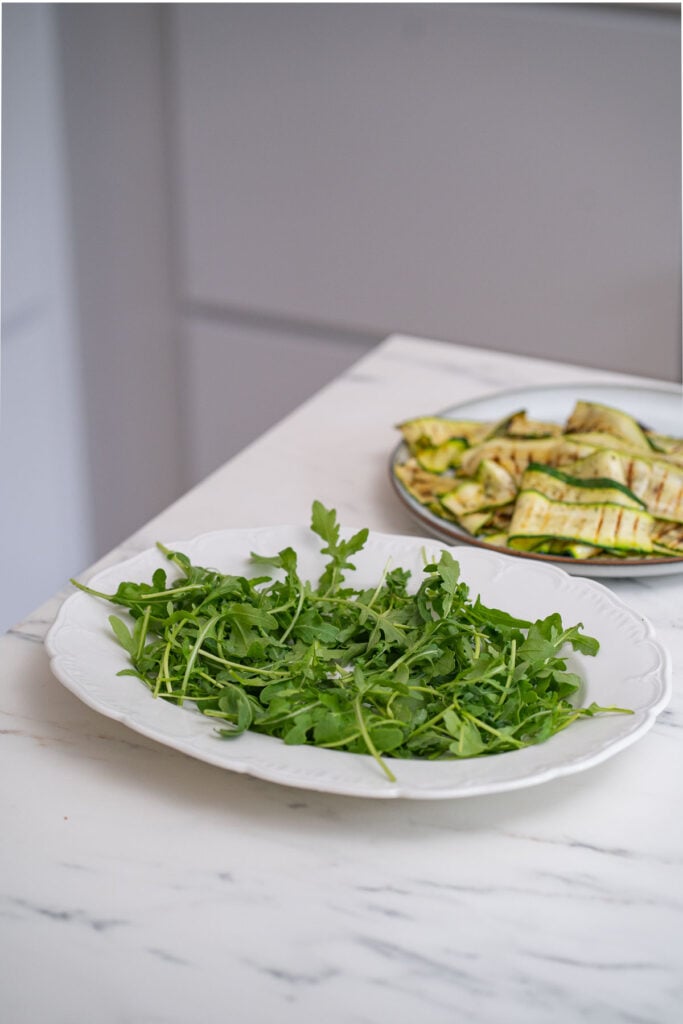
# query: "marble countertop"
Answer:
x=139 y=885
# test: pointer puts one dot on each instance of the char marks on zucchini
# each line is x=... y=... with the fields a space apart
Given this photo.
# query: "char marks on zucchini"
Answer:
x=600 y=485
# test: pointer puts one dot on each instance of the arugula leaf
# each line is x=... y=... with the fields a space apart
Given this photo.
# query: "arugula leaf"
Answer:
x=122 y=633
x=324 y=523
x=285 y=559
x=388 y=670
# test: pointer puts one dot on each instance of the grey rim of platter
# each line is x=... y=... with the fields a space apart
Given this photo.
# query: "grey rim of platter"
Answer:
x=664 y=401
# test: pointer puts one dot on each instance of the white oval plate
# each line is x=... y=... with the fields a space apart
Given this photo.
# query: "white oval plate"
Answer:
x=631 y=670
x=658 y=408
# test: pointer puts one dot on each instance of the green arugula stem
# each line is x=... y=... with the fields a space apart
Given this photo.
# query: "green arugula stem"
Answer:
x=414 y=648
x=368 y=741
x=294 y=714
x=203 y=632
x=490 y=729
x=359 y=604
x=297 y=613
x=341 y=743
x=379 y=585
x=143 y=635
x=432 y=721
x=511 y=672
x=272 y=674
x=164 y=674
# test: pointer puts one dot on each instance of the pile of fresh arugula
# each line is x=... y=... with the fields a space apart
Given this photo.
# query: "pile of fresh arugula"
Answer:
x=430 y=674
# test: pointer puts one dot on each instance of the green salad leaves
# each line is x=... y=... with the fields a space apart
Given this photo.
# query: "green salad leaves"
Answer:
x=424 y=674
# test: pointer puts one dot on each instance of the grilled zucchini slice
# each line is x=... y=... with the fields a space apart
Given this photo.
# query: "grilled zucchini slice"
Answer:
x=515 y=454
x=592 y=417
x=667 y=538
x=499 y=539
x=474 y=522
x=658 y=483
x=425 y=487
x=664 y=443
x=564 y=547
x=433 y=431
x=521 y=426
x=442 y=457
x=538 y=519
x=562 y=486
x=670 y=448
x=491 y=487
x=600 y=464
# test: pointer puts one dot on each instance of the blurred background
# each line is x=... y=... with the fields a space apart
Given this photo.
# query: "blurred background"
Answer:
x=209 y=211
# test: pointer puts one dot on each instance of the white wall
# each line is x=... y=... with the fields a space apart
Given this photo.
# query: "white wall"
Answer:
x=46 y=526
